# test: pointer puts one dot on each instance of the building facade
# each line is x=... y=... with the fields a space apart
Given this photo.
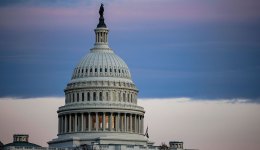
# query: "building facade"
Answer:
x=20 y=141
x=101 y=101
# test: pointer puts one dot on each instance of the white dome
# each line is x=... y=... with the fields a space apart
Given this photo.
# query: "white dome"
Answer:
x=101 y=63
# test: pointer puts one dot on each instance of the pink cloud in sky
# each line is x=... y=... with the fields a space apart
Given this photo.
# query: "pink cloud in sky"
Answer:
x=206 y=125
x=131 y=12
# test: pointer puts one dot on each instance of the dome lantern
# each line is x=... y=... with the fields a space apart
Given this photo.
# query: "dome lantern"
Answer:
x=101 y=32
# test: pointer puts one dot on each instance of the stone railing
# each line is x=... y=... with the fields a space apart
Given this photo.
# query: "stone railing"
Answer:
x=103 y=104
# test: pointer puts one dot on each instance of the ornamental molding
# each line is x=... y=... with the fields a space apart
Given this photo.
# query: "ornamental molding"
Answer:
x=101 y=105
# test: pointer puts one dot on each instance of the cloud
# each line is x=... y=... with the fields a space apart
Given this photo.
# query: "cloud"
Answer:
x=202 y=124
x=125 y=13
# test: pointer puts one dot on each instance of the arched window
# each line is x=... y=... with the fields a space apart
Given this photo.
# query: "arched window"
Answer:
x=94 y=96
x=82 y=96
x=100 y=96
x=119 y=96
x=107 y=96
x=88 y=96
x=124 y=97
x=114 y=96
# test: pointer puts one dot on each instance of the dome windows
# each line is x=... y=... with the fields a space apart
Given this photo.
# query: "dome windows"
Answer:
x=88 y=96
x=82 y=96
x=126 y=96
x=100 y=96
x=94 y=96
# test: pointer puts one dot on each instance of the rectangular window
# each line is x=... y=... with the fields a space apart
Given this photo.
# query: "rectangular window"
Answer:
x=77 y=97
x=82 y=96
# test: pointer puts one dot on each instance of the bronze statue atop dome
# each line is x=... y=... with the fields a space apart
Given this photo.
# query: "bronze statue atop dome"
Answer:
x=101 y=10
x=101 y=23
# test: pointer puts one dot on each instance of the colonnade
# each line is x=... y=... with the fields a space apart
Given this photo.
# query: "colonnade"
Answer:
x=101 y=37
x=101 y=121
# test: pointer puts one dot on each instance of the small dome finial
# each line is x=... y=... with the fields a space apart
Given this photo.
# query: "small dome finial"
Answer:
x=101 y=23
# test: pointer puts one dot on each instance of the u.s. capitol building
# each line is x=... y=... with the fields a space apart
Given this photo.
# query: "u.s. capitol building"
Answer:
x=101 y=101
x=100 y=110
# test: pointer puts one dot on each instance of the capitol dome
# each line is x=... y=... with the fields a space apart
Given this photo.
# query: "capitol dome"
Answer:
x=101 y=63
x=100 y=100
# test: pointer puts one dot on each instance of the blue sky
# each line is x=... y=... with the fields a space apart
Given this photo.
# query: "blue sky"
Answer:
x=174 y=48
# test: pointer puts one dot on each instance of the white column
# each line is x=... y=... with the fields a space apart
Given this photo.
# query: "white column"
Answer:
x=76 y=122
x=96 y=121
x=110 y=121
x=140 y=122
x=59 y=124
x=69 y=122
x=135 y=123
x=62 y=124
x=117 y=122
x=89 y=125
x=125 y=123
x=82 y=122
x=105 y=37
x=103 y=121
x=66 y=121
x=131 y=123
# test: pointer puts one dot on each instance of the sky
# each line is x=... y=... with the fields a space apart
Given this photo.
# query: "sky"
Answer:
x=195 y=62
x=200 y=124
x=199 y=49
